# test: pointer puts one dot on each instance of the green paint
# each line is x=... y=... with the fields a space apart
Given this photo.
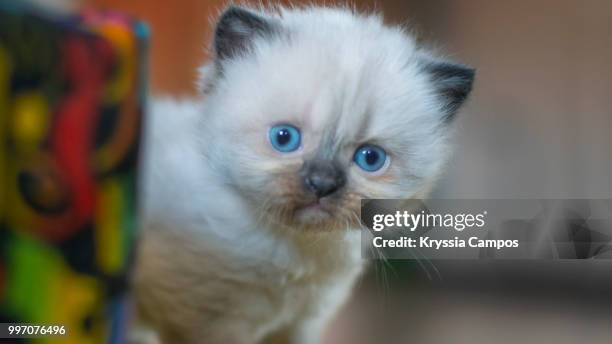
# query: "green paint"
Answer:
x=32 y=267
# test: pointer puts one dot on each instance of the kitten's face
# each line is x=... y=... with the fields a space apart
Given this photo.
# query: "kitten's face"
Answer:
x=305 y=126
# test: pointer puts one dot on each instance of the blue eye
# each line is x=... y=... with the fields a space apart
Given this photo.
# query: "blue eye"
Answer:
x=285 y=138
x=370 y=158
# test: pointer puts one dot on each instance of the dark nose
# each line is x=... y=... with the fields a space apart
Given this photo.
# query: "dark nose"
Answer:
x=322 y=177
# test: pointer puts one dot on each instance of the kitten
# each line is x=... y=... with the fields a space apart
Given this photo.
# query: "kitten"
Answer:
x=251 y=196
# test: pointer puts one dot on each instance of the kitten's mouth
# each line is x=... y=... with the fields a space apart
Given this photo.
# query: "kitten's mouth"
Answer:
x=313 y=212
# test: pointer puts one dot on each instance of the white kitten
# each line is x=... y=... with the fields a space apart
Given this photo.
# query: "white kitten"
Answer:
x=252 y=196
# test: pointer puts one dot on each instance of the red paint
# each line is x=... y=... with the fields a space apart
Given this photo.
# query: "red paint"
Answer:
x=85 y=63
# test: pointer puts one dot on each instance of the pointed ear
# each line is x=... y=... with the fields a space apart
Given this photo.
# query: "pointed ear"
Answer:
x=452 y=82
x=236 y=29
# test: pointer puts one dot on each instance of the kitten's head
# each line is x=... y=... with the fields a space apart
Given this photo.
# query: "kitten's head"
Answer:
x=310 y=110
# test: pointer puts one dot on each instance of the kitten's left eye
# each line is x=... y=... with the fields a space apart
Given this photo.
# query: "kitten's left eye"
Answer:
x=285 y=138
x=370 y=158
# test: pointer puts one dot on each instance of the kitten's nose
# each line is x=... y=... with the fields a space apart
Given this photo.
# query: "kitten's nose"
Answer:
x=322 y=177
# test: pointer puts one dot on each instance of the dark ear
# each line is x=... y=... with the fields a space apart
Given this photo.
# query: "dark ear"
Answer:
x=236 y=30
x=452 y=82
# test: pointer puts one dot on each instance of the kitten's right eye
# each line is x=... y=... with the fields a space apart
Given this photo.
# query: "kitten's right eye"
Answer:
x=285 y=138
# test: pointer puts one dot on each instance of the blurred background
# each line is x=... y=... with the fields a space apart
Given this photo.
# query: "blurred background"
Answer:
x=537 y=126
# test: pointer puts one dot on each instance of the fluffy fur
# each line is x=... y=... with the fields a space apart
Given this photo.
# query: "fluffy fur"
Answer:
x=234 y=248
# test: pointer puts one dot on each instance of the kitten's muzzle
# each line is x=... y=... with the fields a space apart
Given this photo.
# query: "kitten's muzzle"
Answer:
x=322 y=177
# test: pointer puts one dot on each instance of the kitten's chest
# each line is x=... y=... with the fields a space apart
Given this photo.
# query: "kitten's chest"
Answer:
x=295 y=271
x=290 y=262
x=297 y=286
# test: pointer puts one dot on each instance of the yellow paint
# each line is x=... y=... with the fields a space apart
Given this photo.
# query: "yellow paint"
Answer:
x=30 y=121
x=124 y=45
x=108 y=228
x=29 y=124
x=77 y=297
x=21 y=217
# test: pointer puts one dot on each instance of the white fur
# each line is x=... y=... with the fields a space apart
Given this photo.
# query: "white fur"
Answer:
x=209 y=269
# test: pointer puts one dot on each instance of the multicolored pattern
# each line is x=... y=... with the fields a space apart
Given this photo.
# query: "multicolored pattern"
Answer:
x=71 y=97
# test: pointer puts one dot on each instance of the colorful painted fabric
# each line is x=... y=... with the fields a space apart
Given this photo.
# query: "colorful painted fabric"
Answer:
x=71 y=98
